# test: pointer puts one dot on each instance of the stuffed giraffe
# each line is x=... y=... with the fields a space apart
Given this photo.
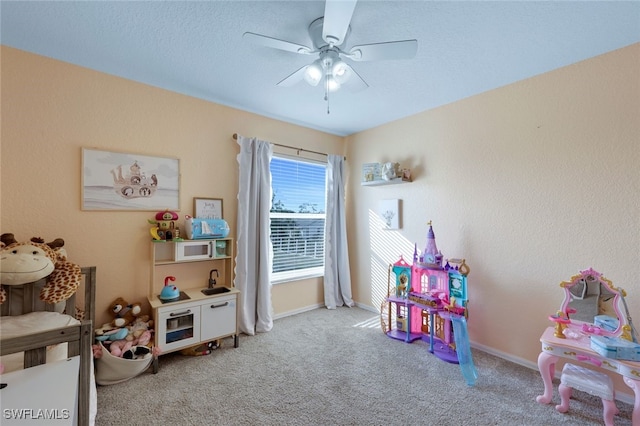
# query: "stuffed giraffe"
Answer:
x=30 y=261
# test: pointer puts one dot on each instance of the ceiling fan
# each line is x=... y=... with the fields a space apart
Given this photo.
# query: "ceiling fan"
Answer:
x=328 y=35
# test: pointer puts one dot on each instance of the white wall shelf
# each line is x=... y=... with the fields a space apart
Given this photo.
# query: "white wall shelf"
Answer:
x=395 y=181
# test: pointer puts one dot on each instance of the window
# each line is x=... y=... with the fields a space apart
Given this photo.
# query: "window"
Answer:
x=297 y=218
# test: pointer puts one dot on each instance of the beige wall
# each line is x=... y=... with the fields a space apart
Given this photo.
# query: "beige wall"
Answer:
x=530 y=183
x=51 y=109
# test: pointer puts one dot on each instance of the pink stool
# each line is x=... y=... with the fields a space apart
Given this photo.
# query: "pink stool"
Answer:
x=592 y=382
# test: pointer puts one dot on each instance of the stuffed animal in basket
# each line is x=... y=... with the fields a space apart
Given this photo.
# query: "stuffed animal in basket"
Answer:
x=110 y=333
x=26 y=262
x=124 y=313
x=138 y=327
x=120 y=347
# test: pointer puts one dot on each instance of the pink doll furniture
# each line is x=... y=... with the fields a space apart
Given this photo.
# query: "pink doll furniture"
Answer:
x=593 y=309
x=592 y=382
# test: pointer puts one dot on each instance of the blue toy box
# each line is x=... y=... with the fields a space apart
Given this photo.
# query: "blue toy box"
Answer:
x=199 y=229
x=616 y=348
x=606 y=322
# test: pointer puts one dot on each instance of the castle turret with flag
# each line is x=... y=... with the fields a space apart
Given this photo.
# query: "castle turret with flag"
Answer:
x=431 y=256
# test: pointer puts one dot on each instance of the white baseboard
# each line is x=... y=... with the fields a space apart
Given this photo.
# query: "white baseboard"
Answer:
x=367 y=308
x=297 y=311
x=506 y=356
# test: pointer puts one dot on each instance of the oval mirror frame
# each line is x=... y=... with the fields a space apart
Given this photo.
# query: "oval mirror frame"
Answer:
x=577 y=289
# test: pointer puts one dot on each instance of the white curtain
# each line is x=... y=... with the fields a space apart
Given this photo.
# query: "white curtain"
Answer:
x=253 y=261
x=337 y=275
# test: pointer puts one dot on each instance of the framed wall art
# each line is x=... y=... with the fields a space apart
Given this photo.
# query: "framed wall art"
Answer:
x=389 y=211
x=126 y=181
x=207 y=208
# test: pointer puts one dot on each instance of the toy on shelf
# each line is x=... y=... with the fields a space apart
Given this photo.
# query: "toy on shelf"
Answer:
x=165 y=226
x=429 y=303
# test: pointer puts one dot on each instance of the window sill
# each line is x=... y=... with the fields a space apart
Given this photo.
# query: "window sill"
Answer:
x=296 y=278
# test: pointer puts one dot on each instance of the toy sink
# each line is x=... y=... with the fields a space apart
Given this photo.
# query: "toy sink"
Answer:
x=216 y=290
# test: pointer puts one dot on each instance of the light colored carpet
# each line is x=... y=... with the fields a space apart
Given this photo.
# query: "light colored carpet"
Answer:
x=335 y=367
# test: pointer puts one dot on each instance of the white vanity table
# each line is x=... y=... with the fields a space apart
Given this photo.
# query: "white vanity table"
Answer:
x=586 y=295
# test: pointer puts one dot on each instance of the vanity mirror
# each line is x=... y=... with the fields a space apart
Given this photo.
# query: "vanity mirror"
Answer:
x=591 y=298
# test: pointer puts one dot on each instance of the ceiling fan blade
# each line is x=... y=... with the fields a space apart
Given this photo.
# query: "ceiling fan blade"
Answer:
x=337 y=16
x=275 y=43
x=355 y=83
x=405 y=49
x=294 y=78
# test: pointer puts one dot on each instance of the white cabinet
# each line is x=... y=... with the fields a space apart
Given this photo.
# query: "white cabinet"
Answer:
x=186 y=323
x=177 y=327
x=218 y=318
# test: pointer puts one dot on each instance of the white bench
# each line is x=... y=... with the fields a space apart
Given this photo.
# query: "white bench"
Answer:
x=592 y=382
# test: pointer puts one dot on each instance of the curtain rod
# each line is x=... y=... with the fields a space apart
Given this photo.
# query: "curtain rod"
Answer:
x=235 y=137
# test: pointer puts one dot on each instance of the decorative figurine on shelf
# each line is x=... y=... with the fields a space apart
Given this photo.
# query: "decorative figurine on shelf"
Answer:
x=165 y=227
x=389 y=171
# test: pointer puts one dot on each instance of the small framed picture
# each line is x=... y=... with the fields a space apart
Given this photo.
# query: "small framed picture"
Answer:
x=389 y=211
x=207 y=208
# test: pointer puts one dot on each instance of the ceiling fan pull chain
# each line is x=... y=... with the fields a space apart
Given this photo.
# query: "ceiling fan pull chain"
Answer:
x=326 y=92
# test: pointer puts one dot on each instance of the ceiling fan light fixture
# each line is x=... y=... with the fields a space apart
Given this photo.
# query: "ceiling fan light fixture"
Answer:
x=341 y=71
x=332 y=83
x=313 y=74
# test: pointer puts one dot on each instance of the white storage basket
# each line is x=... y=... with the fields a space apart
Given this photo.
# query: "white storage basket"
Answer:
x=111 y=369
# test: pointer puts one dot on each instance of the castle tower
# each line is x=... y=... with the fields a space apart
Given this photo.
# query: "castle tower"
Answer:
x=431 y=255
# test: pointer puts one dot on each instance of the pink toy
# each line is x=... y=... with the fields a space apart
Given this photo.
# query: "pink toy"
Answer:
x=588 y=328
x=97 y=351
x=432 y=306
x=592 y=382
x=561 y=321
x=118 y=347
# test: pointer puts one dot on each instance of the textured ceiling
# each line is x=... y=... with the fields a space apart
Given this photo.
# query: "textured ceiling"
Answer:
x=196 y=48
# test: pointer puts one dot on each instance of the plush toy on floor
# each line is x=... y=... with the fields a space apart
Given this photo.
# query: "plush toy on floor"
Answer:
x=30 y=261
x=202 y=349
